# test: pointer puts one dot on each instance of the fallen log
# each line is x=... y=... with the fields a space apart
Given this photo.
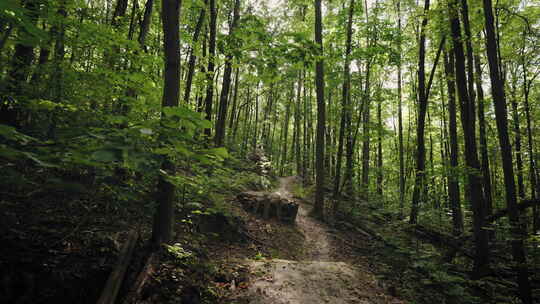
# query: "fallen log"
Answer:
x=521 y=207
x=109 y=293
x=441 y=239
x=271 y=205
x=148 y=270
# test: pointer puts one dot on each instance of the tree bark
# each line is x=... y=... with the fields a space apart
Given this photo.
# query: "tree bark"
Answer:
x=474 y=185
x=17 y=75
x=226 y=84
x=192 y=54
x=517 y=139
x=318 y=209
x=211 y=64
x=453 y=184
x=163 y=219
x=379 y=147
x=497 y=87
x=345 y=101
x=419 y=181
x=400 y=121
x=483 y=140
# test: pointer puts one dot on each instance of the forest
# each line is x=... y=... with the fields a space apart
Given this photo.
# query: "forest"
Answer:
x=187 y=151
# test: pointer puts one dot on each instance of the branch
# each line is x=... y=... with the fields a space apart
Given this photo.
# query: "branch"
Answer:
x=441 y=45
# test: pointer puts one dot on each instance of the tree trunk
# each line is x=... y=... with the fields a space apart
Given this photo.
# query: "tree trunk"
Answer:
x=419 y=182
x=211 y=65
x=345 y=108
x=119 y=12
x=285 y=141
x=234 y=100
x=10 y=111
x=145 y=23
x=497 y=87
x=483 y=140
x=453 y=184
x=474 y=185
x=379 y=147
x=163 y=219
x=400 y=121
x=297 y=121
x=223 y=100
x=517 y=139
x=192 y=54
x=318 y=209
x=532 y=163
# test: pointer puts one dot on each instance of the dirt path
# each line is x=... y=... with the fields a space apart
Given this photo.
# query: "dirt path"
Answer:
x=317 y=278
x=316 y=236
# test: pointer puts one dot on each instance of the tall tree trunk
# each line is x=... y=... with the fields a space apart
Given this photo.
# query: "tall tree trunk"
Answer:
x=400 y=121
x=497 y=87
x=144 y=26
x=119 y=12
x=223 y=100
x=345 y=105
x=163 y=219
x=379 y=147
x=20 y=67
x=297 y=122
x=474 y=185
x=234 y=99
x=318 y=209
x=532 y=164
x=285 y=141
x=517 y=139
x=419 y=181
x=59 y=33
x=134 y=9
x=211 y=64
x=483 y=139
x=192 y=54
x=453 y=183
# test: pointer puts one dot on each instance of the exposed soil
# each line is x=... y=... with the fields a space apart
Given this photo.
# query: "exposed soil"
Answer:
x=318 y=276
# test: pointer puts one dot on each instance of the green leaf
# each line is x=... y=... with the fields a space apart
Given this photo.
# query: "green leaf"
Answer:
x=105 y=155
x=219 y=152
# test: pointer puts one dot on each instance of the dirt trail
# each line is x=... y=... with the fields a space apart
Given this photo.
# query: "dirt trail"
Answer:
x=317 y=243
x=318 y=277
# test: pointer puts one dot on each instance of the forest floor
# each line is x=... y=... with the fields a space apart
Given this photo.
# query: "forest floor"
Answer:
x=323 y=273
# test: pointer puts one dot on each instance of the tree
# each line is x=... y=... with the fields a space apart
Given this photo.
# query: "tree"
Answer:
x=318 y=208
x=420 y=126
x=163 y=219
x=453 y=184
x=211 y=64
x=474 y=184
x=223 y=100
x=497 y=91
x=345 y=105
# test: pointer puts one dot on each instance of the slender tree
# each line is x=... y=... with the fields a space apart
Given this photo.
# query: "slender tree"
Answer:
x=318 y=209
x=345 y=104
x=497 y=90
x=163 y=219
x=474 y=184
x=192 y=53
x=453 y=184
x=223 y=100
x=422 y=109
x=211 y=63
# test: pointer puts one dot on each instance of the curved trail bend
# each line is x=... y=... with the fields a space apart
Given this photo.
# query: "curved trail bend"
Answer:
x=318 y=277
